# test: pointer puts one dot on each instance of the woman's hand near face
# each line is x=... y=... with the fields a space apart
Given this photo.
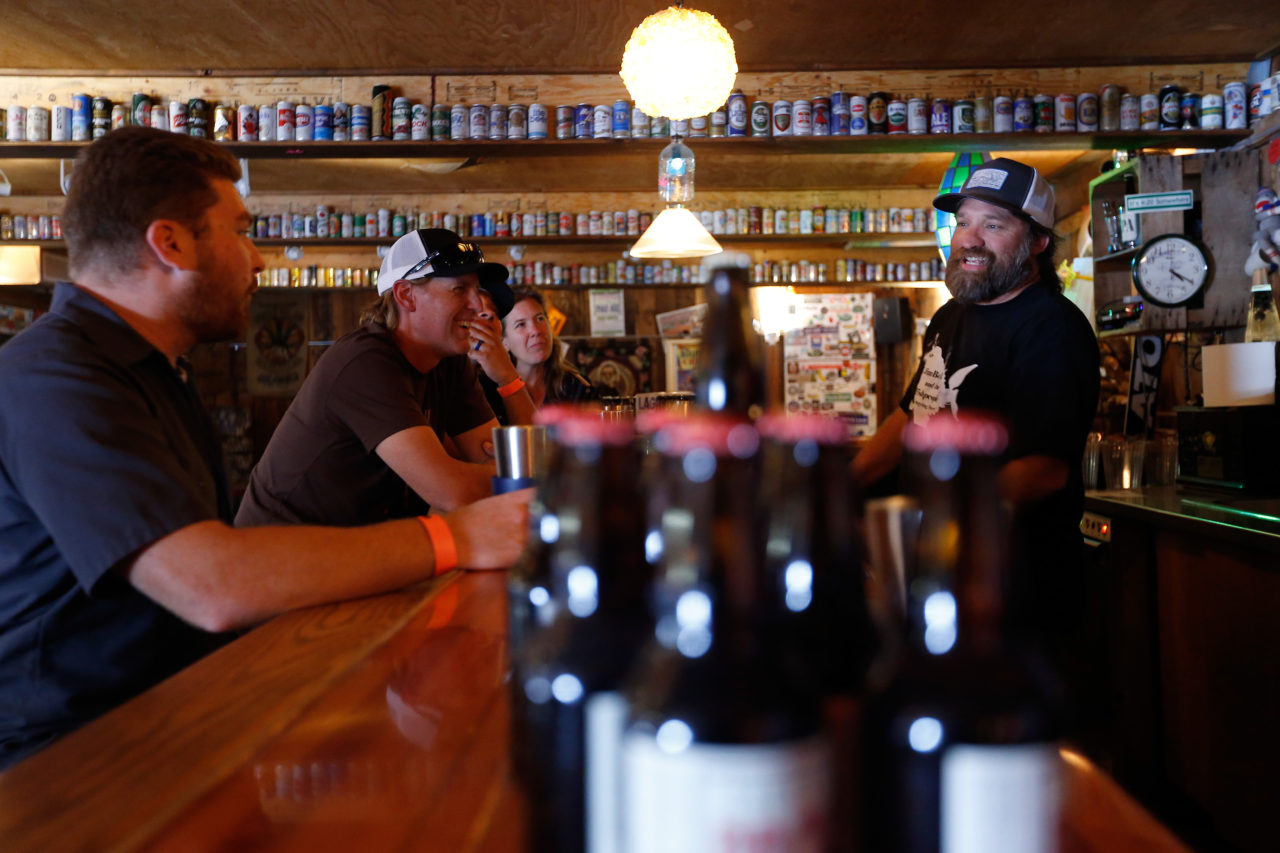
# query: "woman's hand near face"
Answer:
x=487 y=349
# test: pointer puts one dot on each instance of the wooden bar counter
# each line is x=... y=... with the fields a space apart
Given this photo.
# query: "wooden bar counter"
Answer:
x=378 y=724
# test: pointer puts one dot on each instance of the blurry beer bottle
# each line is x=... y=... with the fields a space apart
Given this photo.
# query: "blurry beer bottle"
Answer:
x=570 y=665
x=729 y=376
x=816 y=585
x=724 y=750
x=960 y=737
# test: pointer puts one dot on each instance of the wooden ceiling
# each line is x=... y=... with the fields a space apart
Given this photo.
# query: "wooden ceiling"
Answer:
x=554 y=36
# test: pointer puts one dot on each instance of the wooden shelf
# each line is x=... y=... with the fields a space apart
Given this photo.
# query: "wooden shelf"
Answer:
x=863 y=240
x=475 y=150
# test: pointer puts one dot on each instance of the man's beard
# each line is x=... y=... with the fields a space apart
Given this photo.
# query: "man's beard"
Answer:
x=208 y=310
x=997 y=279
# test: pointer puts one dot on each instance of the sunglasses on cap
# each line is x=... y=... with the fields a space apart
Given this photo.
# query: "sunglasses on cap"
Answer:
x=446 y=259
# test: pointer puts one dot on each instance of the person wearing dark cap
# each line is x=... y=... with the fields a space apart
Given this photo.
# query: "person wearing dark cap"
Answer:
x=1009 y=343
x=118 y=562
x=392 y=419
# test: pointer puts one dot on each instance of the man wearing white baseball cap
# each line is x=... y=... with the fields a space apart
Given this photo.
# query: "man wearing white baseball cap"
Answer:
x=393 y=416
x=1009 y=343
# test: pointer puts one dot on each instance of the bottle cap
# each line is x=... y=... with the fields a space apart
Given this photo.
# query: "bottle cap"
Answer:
x=793 y=428
x=976 y=434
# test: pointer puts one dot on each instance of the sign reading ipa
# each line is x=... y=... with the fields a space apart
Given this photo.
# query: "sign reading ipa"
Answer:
x=1150 y=202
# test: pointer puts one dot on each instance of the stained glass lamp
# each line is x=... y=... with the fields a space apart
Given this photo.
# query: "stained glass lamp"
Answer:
x=962 y=165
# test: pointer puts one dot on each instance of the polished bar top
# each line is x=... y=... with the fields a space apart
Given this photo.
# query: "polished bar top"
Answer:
x=378 y=724
x=1245 y=519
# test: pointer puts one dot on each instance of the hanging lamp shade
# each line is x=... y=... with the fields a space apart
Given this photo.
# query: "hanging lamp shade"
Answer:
x=962 y=165
x=679 y=63
x=675 y=233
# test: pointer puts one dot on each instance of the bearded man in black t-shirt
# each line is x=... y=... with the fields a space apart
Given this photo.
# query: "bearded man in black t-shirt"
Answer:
x=1009 y=343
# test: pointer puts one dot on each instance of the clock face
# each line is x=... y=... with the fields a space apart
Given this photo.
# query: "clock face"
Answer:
x=1169 y=270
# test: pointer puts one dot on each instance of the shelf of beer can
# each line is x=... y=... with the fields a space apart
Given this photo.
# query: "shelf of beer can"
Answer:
x=848 y=240
x=869 y=144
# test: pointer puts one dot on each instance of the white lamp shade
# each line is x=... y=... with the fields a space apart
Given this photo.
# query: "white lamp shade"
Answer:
x=675 y=233
x=679 y=63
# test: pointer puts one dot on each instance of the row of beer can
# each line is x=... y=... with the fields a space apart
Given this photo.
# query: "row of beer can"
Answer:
x=845 y=270
x=18 y=226
x=839 y=113
x=546 y=273
x=317 y=276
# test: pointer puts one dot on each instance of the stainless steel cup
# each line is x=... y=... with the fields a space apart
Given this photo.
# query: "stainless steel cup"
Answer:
x=521 y=452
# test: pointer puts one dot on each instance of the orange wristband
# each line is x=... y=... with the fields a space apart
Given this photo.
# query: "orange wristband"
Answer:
x=511 y=387
x=446 y=550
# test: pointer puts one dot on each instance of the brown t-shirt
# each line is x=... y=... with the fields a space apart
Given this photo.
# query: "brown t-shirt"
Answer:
x=320 y=466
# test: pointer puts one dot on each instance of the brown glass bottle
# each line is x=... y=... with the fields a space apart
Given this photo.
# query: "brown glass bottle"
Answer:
x=724 y=749
x=960 y=733
x=729 y=377
x=591 y=623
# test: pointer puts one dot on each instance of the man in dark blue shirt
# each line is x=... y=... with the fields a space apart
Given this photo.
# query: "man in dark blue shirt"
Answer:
x=118 y=564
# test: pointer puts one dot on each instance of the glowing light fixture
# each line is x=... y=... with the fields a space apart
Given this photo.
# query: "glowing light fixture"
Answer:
x=962 y=165
x=679 y=63
x=676 y=232
x=775 y=311
x=20 y=265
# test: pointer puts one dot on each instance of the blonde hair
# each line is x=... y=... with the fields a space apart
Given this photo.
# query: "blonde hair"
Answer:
x=382 y=311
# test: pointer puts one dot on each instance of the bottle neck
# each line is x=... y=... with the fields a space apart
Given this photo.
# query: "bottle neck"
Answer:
x=956 y=599
x=730 y=371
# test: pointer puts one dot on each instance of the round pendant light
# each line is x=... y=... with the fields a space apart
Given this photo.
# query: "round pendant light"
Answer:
x=679 y=63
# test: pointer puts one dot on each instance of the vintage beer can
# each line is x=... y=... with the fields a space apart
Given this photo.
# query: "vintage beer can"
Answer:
x=620 y=119
x=962 y=116
x=439 y=121
x=37 y=129
x=1255 y=102
x=982 y=114
x=517 y=121
x=198 y=118
x=419 y=122
x=1043 y=113
x=566 y=123
x=896 y=116
x=858 y=124
x=266 y=121
x=761 y=118
x=380 y=113
x=640 y=127
x=717 y=120
x=1190 y=111
x=1235 y=106
x=99 y=118
x=659 y=126
x=538 y=121
x=737 y=118
x=802 y=118
x=839 y=113
x=940 y=116
x=1149 y=111
x=1064 y=114
x=341 y=121
x=246 y=122
x=322 y=123
x=1130 y=112
x=119 y=116
x=360 y=118
x=1211 y=112
x=497 y=121
x=878 y=112
x=780 y=121
x=60 y=124
x=1002 y=114
x=458 y=119
x=821 y=116
x=1109 y=99
x=81 y=117
x=601 y=121
x=1087 y=112
x=140 y=110
x=159 y=117
x=583 y=122
x=1024 y=114
x=401 y=118
x=478 y=122
x=224 y=123
x=681 y=127
x=1170 y=108
x=917 y=116
x=286 y=121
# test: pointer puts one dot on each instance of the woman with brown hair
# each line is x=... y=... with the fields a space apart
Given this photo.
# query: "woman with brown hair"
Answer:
x=528 y=337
